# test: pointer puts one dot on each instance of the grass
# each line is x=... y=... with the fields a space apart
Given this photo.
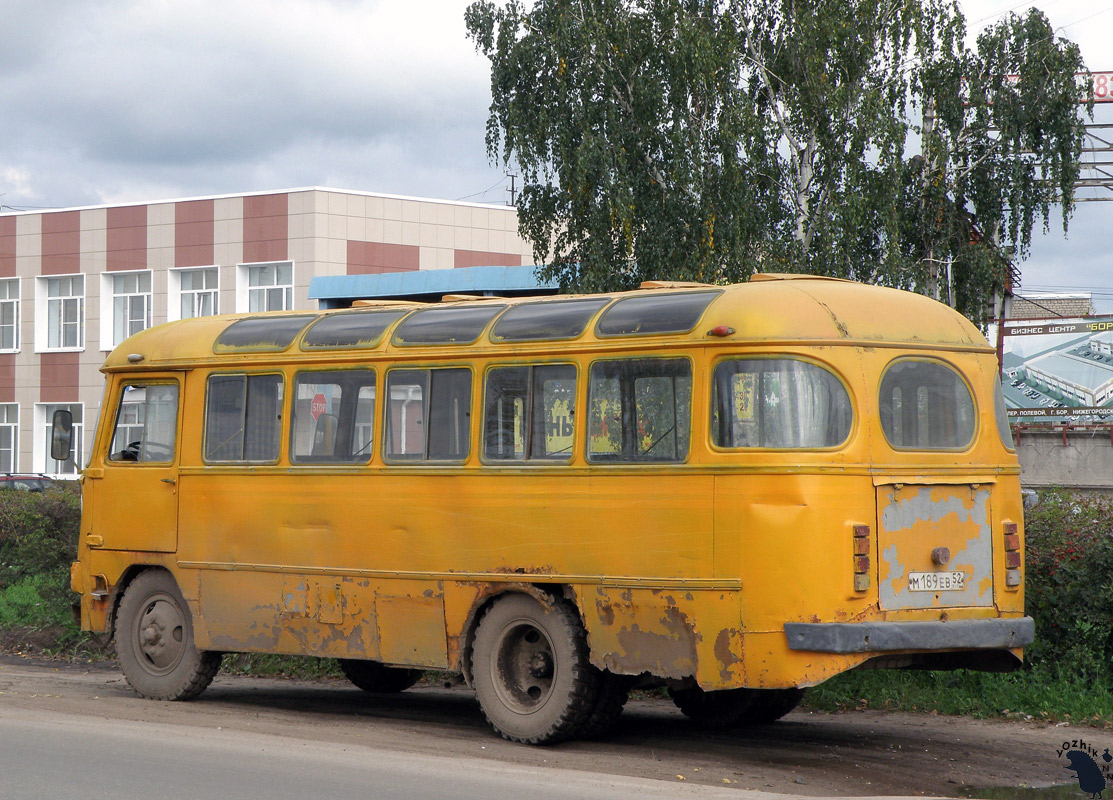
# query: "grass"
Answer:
x=1043 y=693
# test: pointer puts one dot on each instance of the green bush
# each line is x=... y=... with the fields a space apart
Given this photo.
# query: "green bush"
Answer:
x=1069 y=584
x=38 y=541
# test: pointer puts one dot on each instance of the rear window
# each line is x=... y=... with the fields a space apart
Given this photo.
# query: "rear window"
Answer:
x=779 y=403
x=926 y=405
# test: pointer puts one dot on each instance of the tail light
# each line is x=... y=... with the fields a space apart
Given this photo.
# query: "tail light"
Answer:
x=861 y=558
x=1012 y=555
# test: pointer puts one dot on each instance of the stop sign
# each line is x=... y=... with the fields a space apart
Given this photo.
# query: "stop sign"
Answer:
x=318 y=405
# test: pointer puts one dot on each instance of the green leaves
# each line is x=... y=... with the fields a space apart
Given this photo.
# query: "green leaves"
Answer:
x=707 y=139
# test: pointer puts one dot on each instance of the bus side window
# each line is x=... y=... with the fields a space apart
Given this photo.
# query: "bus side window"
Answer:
x=528 y=412
x=428 y=414
x=242 y=418
x=146 y=424
x=778 y=403
x=640 y=410
x=332 y=416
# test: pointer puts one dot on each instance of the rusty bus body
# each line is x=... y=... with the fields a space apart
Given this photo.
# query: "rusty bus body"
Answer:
x=739 y=490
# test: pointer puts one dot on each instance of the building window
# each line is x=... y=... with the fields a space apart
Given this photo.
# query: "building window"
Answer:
x=125 y=306
x=44 y=417
x=266 y=287
x=9 y=437
x=60 y=312
x=9 y=314
x=193 y=293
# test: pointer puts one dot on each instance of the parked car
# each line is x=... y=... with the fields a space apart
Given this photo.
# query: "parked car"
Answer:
x=25 y=483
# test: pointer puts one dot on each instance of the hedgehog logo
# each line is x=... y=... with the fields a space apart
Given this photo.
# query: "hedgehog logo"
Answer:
x=1086 y=770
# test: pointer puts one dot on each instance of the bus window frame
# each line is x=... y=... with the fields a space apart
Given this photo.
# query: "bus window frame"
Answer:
x=975 y=434
x=385 y=407
x=118 y=400
x=319 y=461
x=695 y=382
x=856 y=411
x=526 y=461
x=284 y=415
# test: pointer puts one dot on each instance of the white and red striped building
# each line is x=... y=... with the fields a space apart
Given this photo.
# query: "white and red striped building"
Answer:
x=76 y=282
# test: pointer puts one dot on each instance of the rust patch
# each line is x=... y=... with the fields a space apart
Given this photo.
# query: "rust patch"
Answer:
x=725 y=653
x=660 y=654
x=606 y=611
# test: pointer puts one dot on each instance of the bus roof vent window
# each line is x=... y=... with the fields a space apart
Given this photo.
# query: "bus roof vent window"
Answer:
x=446 y=325
x=355 y=329
x=645 y=315
x=261 y=334
x=547 y=320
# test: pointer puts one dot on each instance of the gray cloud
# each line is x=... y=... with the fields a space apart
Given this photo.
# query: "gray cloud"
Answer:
x=110 y=101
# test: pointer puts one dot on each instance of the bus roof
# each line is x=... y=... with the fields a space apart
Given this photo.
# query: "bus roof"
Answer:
x=769 y=309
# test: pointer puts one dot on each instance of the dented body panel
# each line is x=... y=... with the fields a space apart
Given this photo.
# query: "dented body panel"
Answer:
x=695 y=571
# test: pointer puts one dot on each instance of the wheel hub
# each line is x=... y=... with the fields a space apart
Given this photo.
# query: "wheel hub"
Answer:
x=161 y=635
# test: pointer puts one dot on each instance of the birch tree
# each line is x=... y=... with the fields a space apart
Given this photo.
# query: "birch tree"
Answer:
x=708 y=139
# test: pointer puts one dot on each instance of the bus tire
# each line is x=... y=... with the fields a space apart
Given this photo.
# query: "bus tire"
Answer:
x=719 y=710
x=531 y=672
x=609 y=702
x=154 y=641
x=371 y=676
x=772 y=704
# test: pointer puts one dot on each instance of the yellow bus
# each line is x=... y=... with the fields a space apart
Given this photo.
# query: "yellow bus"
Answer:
x=735 y=492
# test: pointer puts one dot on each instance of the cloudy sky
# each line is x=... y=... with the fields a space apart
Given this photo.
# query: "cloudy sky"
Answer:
x=120 y=101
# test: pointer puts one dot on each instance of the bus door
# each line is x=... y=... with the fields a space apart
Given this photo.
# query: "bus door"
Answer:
x=140 y=470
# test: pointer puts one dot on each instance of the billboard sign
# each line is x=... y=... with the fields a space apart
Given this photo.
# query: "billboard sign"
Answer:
x=1058 y=370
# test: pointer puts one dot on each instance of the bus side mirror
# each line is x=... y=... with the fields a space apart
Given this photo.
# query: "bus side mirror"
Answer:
x=61 y=439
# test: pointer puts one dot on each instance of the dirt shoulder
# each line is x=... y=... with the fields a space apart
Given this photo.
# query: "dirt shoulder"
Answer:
x=860 y=753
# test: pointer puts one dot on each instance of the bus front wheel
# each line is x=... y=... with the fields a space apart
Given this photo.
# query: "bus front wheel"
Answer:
x=531 y=671
x=154 y=641
x=371 y=676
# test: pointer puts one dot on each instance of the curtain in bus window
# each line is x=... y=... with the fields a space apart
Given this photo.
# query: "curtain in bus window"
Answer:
x=778 y=403
x=262 y=425
x=640 y=410
x=505 y=399
x=449 y=414
x=925 y=405
x=224 y=417
x=243 y=416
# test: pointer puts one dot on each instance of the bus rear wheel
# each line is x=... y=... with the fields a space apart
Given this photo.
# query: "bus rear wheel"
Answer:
x=731 y=708
x=371 y=676
x=154 y=641
x=531 y=671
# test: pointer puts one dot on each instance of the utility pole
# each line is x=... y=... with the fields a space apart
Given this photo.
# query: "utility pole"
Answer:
x=512 y=189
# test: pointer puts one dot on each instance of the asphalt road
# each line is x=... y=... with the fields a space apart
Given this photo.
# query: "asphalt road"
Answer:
x=78 y=731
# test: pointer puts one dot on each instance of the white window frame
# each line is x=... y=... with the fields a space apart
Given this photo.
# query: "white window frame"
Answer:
x=43 y=302
x=245 y=292
x=108 y=298
x=174 y=292
x=44 y=414
x=7 y=301
x=6 y=410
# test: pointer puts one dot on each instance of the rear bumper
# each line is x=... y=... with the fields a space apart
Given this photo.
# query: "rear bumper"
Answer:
x=875 y=637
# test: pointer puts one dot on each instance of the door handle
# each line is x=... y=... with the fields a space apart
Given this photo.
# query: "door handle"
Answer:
x=171 y=481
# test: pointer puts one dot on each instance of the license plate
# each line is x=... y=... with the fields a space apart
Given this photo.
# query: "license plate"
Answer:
x=936 y=581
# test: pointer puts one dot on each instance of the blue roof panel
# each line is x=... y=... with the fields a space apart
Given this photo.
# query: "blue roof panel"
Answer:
x=466 y=280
